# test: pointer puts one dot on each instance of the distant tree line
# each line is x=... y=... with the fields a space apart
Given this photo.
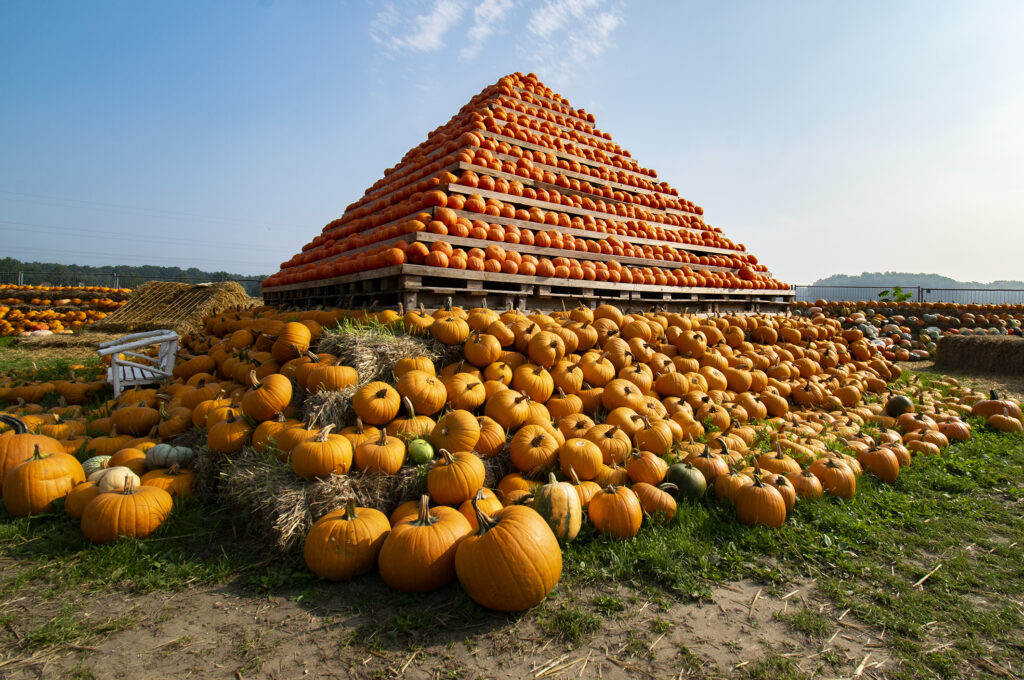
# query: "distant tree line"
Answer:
x=123 y=276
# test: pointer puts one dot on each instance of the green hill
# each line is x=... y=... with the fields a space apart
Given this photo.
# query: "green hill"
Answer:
x=883 y=280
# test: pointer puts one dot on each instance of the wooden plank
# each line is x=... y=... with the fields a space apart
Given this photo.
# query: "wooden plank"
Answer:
x=575 y=142
x=466 y=242
x=548 y=252
x=537 y=226
x=585 y=178
x=582 y=160
x=528 y=182
x=556 y=207
x=593 y=137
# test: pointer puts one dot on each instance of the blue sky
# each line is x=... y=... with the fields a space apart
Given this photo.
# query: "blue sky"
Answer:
x=829 y=137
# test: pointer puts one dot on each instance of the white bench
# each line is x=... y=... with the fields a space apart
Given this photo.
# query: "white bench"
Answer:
x=124 y=372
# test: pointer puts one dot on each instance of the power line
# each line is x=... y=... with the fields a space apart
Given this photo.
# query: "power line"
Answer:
x=217 y=263
x=98 y=205
x=133 y=237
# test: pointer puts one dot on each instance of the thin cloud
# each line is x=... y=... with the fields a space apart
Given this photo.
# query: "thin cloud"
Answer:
x=398 y=31
x=486 y=16
x=555 y=14
x=569 y=33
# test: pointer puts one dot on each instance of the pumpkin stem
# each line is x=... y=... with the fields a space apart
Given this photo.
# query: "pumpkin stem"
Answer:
x=129 y=484
x=359 y=425
x=350 y=508
x=573 y=476
x=383 y=437
x=449 y=459
x=407 y=402
x=424 y=518
x=323 y=433
x=484 y=523
x=175 y=469
x=15 y=423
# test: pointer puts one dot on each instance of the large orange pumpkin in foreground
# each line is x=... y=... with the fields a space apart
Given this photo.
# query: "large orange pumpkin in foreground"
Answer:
x=512 y=562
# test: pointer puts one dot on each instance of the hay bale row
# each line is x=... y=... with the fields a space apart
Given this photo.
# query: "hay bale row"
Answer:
x=1002 y=354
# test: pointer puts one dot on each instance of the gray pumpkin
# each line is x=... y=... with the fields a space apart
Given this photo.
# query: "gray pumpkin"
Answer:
x=165 y=455
x=95 y=463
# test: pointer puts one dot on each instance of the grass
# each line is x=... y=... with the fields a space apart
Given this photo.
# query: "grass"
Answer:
x=58 y=558
x=569 y=622
x=19 y=363
x=809 y=622
x=962 y=510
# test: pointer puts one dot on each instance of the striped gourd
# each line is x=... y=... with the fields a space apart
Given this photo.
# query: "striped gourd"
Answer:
x=559 y=505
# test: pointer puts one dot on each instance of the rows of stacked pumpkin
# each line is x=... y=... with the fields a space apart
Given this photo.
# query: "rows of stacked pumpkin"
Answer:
x=609 y=403
x=412 y=190
x=910 y=331
x=40 y=310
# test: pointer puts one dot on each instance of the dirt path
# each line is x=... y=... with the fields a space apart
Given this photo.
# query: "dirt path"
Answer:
x=356 y=630
x=1009 y=385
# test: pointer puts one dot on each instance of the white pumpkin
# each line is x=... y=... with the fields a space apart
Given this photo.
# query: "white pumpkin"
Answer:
x=114 y=478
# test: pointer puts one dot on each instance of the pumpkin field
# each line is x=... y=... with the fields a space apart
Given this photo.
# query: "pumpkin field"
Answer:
x=522 y=411
x=474 y=493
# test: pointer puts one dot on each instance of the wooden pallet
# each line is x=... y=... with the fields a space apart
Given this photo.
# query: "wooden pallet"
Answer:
x=412 y=285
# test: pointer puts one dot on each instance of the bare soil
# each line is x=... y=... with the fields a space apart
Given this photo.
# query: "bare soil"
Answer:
x=223 y=632
x=1004 y=384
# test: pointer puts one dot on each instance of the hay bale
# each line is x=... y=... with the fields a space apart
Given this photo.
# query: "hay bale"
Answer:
x=177 y=306
x=374 y=350
x=329 y=408
x=283 y=507
x=991 y=353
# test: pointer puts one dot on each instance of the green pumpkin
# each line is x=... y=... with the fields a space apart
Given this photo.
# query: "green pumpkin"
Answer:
x=420 y=451
x=91 y=465
x=899 y=405
x=688 y=480
x=166 y=455
x=559 y=504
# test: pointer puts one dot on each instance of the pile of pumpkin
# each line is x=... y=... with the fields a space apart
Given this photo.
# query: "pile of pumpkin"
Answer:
x=607 y=417
x=531 y=156
x=39 y=310
x=909 y=331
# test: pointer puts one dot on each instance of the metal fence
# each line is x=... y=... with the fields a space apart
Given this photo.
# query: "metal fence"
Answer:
x=115 y=280
x=983 y=296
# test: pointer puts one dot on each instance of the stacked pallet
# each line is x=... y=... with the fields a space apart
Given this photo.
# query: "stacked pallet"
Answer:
x=521 y=197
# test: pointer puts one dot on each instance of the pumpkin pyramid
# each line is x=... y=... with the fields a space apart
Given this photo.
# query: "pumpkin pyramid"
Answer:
x=520 y=184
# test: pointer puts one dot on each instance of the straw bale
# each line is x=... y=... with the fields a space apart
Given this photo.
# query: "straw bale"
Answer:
x=992 y=353
x=373 y=350
x=329 y=407
x=283 y=507
x=177 y=306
